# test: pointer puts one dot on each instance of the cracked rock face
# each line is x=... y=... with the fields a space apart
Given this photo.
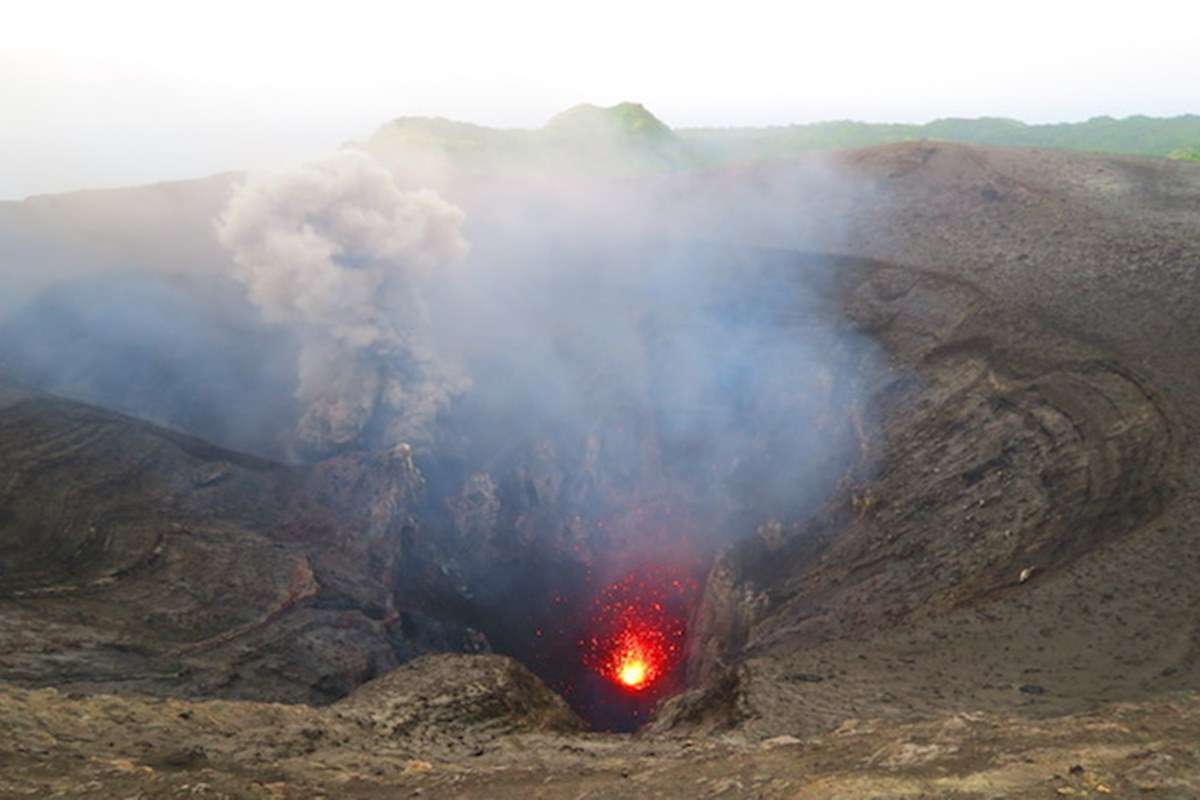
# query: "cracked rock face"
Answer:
x=1013 y=540
x=440 y=697
x=139 y=559
x=1010 y=449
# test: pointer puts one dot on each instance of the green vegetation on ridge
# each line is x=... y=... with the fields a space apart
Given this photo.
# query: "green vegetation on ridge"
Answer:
x=627 y=138
x=621 y=139
x=1138 y=135
x=1186 y=153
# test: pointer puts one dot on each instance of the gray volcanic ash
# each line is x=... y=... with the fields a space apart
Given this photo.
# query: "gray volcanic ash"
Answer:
x=338 y=251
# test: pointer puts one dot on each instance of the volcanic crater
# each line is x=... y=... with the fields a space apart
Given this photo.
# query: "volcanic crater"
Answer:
x=963 y=461
x=953 y=474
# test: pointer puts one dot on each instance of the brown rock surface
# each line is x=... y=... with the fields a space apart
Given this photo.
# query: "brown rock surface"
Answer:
x=1038 y=422
x=483 y=727
x=135 y=558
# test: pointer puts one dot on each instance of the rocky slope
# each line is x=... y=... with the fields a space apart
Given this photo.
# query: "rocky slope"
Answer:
x=1023 y=539
x=134 y=558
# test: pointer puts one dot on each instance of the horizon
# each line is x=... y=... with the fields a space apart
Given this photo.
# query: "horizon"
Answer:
x=131 y=92
x=283 y=164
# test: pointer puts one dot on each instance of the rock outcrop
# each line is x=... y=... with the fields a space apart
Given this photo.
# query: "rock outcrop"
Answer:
x=135 y=558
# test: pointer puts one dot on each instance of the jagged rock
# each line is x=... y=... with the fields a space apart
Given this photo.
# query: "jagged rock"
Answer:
x=119 y=570
x=475 y=510
x=440 y=696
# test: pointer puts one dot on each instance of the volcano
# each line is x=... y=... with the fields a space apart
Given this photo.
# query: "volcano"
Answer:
x=906 y=463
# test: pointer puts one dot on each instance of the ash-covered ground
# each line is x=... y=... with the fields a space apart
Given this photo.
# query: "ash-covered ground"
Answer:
x=988 y=593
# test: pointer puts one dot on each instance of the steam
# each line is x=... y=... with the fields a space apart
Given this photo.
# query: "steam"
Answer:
x=336 y=250
x=620 y=371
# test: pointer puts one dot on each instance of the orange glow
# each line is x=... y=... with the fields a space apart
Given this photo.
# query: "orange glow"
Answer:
x=633 y=673
x=637 y=658
x=638 y=631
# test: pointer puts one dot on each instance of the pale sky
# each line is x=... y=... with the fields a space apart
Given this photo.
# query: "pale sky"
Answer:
x=114 y=92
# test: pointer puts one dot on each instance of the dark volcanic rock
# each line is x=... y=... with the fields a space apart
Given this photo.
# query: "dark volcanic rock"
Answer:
x=441 y=696
x=1032 y=484
x=136 y=558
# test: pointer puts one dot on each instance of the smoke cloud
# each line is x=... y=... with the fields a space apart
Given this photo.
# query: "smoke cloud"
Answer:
x=619 y=372
x=338 y=251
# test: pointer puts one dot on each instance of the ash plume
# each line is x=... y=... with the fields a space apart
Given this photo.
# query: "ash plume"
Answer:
x=620 y=376
x=337 y=251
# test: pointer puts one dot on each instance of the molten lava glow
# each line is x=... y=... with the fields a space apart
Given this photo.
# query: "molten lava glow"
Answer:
x=636 y=661
x=633 y=672
x=638 y=630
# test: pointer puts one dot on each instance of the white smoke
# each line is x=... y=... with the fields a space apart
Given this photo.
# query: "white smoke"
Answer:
x=336 y=250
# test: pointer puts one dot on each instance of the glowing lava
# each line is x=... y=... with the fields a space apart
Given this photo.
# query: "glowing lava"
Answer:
x=633 y=672
x=637 y=660
x=638 y=626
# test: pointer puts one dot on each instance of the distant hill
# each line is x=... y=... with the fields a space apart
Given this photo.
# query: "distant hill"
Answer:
x=1138 y=135
x=627 y=138
x=628 y=121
